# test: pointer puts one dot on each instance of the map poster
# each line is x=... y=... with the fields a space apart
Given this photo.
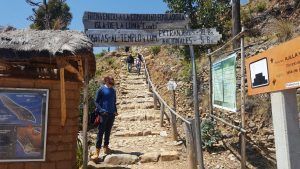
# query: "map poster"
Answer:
x=224 y=83
x=23 y=124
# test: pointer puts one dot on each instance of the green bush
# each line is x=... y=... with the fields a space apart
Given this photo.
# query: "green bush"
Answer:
x=209 y=134
x=185 y=73
x=93 y=87
x=155 y=50
x=261 y=6
x=284 y=30
x=79 y=154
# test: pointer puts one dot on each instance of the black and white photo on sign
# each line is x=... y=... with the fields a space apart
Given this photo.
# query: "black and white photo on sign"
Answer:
x=259 y=73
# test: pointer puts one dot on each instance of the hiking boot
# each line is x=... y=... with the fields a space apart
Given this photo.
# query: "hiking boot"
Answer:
x=96 y=154
x=107 y=150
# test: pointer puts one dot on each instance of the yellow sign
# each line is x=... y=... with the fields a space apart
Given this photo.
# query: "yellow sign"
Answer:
x=275 y=69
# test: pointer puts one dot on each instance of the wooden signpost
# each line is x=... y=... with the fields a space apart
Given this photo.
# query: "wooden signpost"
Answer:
x=124 y=37
x=277 y=70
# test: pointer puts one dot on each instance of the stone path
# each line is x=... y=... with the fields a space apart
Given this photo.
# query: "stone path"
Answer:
x=137 y=139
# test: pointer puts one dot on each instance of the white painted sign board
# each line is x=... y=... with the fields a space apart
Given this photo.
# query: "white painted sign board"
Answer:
x=121 y=37
x=100 y=20
x=171 y=85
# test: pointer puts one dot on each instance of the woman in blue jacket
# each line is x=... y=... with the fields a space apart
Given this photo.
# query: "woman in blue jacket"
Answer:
x=106 y=107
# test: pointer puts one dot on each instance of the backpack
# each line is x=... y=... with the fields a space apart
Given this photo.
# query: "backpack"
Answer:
x=95 y=118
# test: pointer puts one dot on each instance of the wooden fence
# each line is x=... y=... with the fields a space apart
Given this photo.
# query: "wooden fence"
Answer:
x=188 y=124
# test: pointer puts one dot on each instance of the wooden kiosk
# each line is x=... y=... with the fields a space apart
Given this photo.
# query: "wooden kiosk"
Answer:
x=41 y=77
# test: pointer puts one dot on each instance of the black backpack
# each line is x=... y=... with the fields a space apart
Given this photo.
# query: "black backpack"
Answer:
x=94 y=114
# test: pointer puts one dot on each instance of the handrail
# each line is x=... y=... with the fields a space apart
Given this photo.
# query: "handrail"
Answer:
x=242 y=33
x=160 y=98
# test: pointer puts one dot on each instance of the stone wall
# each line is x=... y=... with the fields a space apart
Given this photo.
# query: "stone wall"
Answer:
x=61 y=141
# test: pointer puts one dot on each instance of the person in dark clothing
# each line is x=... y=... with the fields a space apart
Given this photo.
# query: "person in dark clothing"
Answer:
x=130 y=61
x=106 y=107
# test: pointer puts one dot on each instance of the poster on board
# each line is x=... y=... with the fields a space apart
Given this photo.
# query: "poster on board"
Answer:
x=224 y=83
x=23 y=124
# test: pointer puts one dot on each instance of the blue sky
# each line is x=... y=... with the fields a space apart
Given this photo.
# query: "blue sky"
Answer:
x=15 y=12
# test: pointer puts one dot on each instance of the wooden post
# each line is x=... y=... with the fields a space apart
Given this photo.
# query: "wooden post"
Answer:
x=173 y=118
x=85 y=114
x=162 y=110
x=63 y=107
x=210 y=85
x=236 y=21
x=243 y=135
x=155 y=101
x=190 y=145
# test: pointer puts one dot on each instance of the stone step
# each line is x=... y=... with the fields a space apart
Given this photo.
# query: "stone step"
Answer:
x=139 y=117
x=136 y=106
x=135 y=133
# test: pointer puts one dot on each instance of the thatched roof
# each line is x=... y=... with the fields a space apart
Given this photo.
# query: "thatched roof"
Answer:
x=46 y=46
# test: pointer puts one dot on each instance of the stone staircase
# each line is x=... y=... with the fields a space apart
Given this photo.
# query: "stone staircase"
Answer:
x=137 y=140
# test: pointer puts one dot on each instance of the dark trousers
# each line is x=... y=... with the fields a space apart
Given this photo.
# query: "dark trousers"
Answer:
x=104 y=129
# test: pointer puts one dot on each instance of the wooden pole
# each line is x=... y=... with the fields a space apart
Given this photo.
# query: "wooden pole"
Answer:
x=243 y=135
x=210 y=84
x=85 y=114
x=190 y=145
x=155 y=100
x=63 y=106
x=162 y=110
x=173 y=117
x=196 y=110
x=236 y=21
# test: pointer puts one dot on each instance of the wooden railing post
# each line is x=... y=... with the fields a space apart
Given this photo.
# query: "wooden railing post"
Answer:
x=162 y=111
x=190 y=145
x=173 y=117
x=155 y=101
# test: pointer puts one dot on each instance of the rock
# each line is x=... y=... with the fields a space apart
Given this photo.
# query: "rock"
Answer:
x=169 y=156
x=271 y=137
x=121 y=159
x=150 y=157
x=231 y=157
x=251 y=124
x=93 y=165
x=163 y=134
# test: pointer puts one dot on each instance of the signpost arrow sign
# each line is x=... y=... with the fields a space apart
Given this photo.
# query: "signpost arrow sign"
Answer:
x=109 y=37
x=99 y=20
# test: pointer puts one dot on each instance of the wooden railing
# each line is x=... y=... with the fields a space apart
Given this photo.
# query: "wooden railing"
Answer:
x=188 y=123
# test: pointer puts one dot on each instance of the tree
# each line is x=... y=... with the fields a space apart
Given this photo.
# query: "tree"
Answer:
x=54 y=14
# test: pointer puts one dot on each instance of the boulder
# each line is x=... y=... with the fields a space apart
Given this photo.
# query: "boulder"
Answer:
x=121 y=159
x=150 y=157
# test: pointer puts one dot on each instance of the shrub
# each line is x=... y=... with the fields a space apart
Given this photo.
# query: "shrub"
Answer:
x=209 y=134
x=93 y=87
x=185 y=73
x=261 y=6
x=284 y=30
x=79 y=154
x=155 y=50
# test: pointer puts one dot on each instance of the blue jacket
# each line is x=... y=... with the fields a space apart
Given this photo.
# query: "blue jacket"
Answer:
x=106 y=100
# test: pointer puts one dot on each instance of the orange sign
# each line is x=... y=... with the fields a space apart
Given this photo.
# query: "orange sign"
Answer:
x=275 y=69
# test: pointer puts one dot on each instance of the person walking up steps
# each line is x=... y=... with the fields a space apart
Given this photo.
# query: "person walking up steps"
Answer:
x=138 y=64
x=130 y=61
x=106 y=107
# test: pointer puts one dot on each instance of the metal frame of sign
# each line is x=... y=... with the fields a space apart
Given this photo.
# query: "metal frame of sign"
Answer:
x=218 y=106
x=44 y=125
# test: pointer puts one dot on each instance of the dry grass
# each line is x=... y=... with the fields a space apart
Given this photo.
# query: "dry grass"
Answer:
x=284 y=30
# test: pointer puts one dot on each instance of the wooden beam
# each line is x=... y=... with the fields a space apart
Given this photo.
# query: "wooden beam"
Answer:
x=63 y=106
x=80 y=67
x=70 y=68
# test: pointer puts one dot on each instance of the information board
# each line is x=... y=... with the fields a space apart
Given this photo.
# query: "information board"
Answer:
x=276 y=69
x=23 y=124
x=224 y=83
